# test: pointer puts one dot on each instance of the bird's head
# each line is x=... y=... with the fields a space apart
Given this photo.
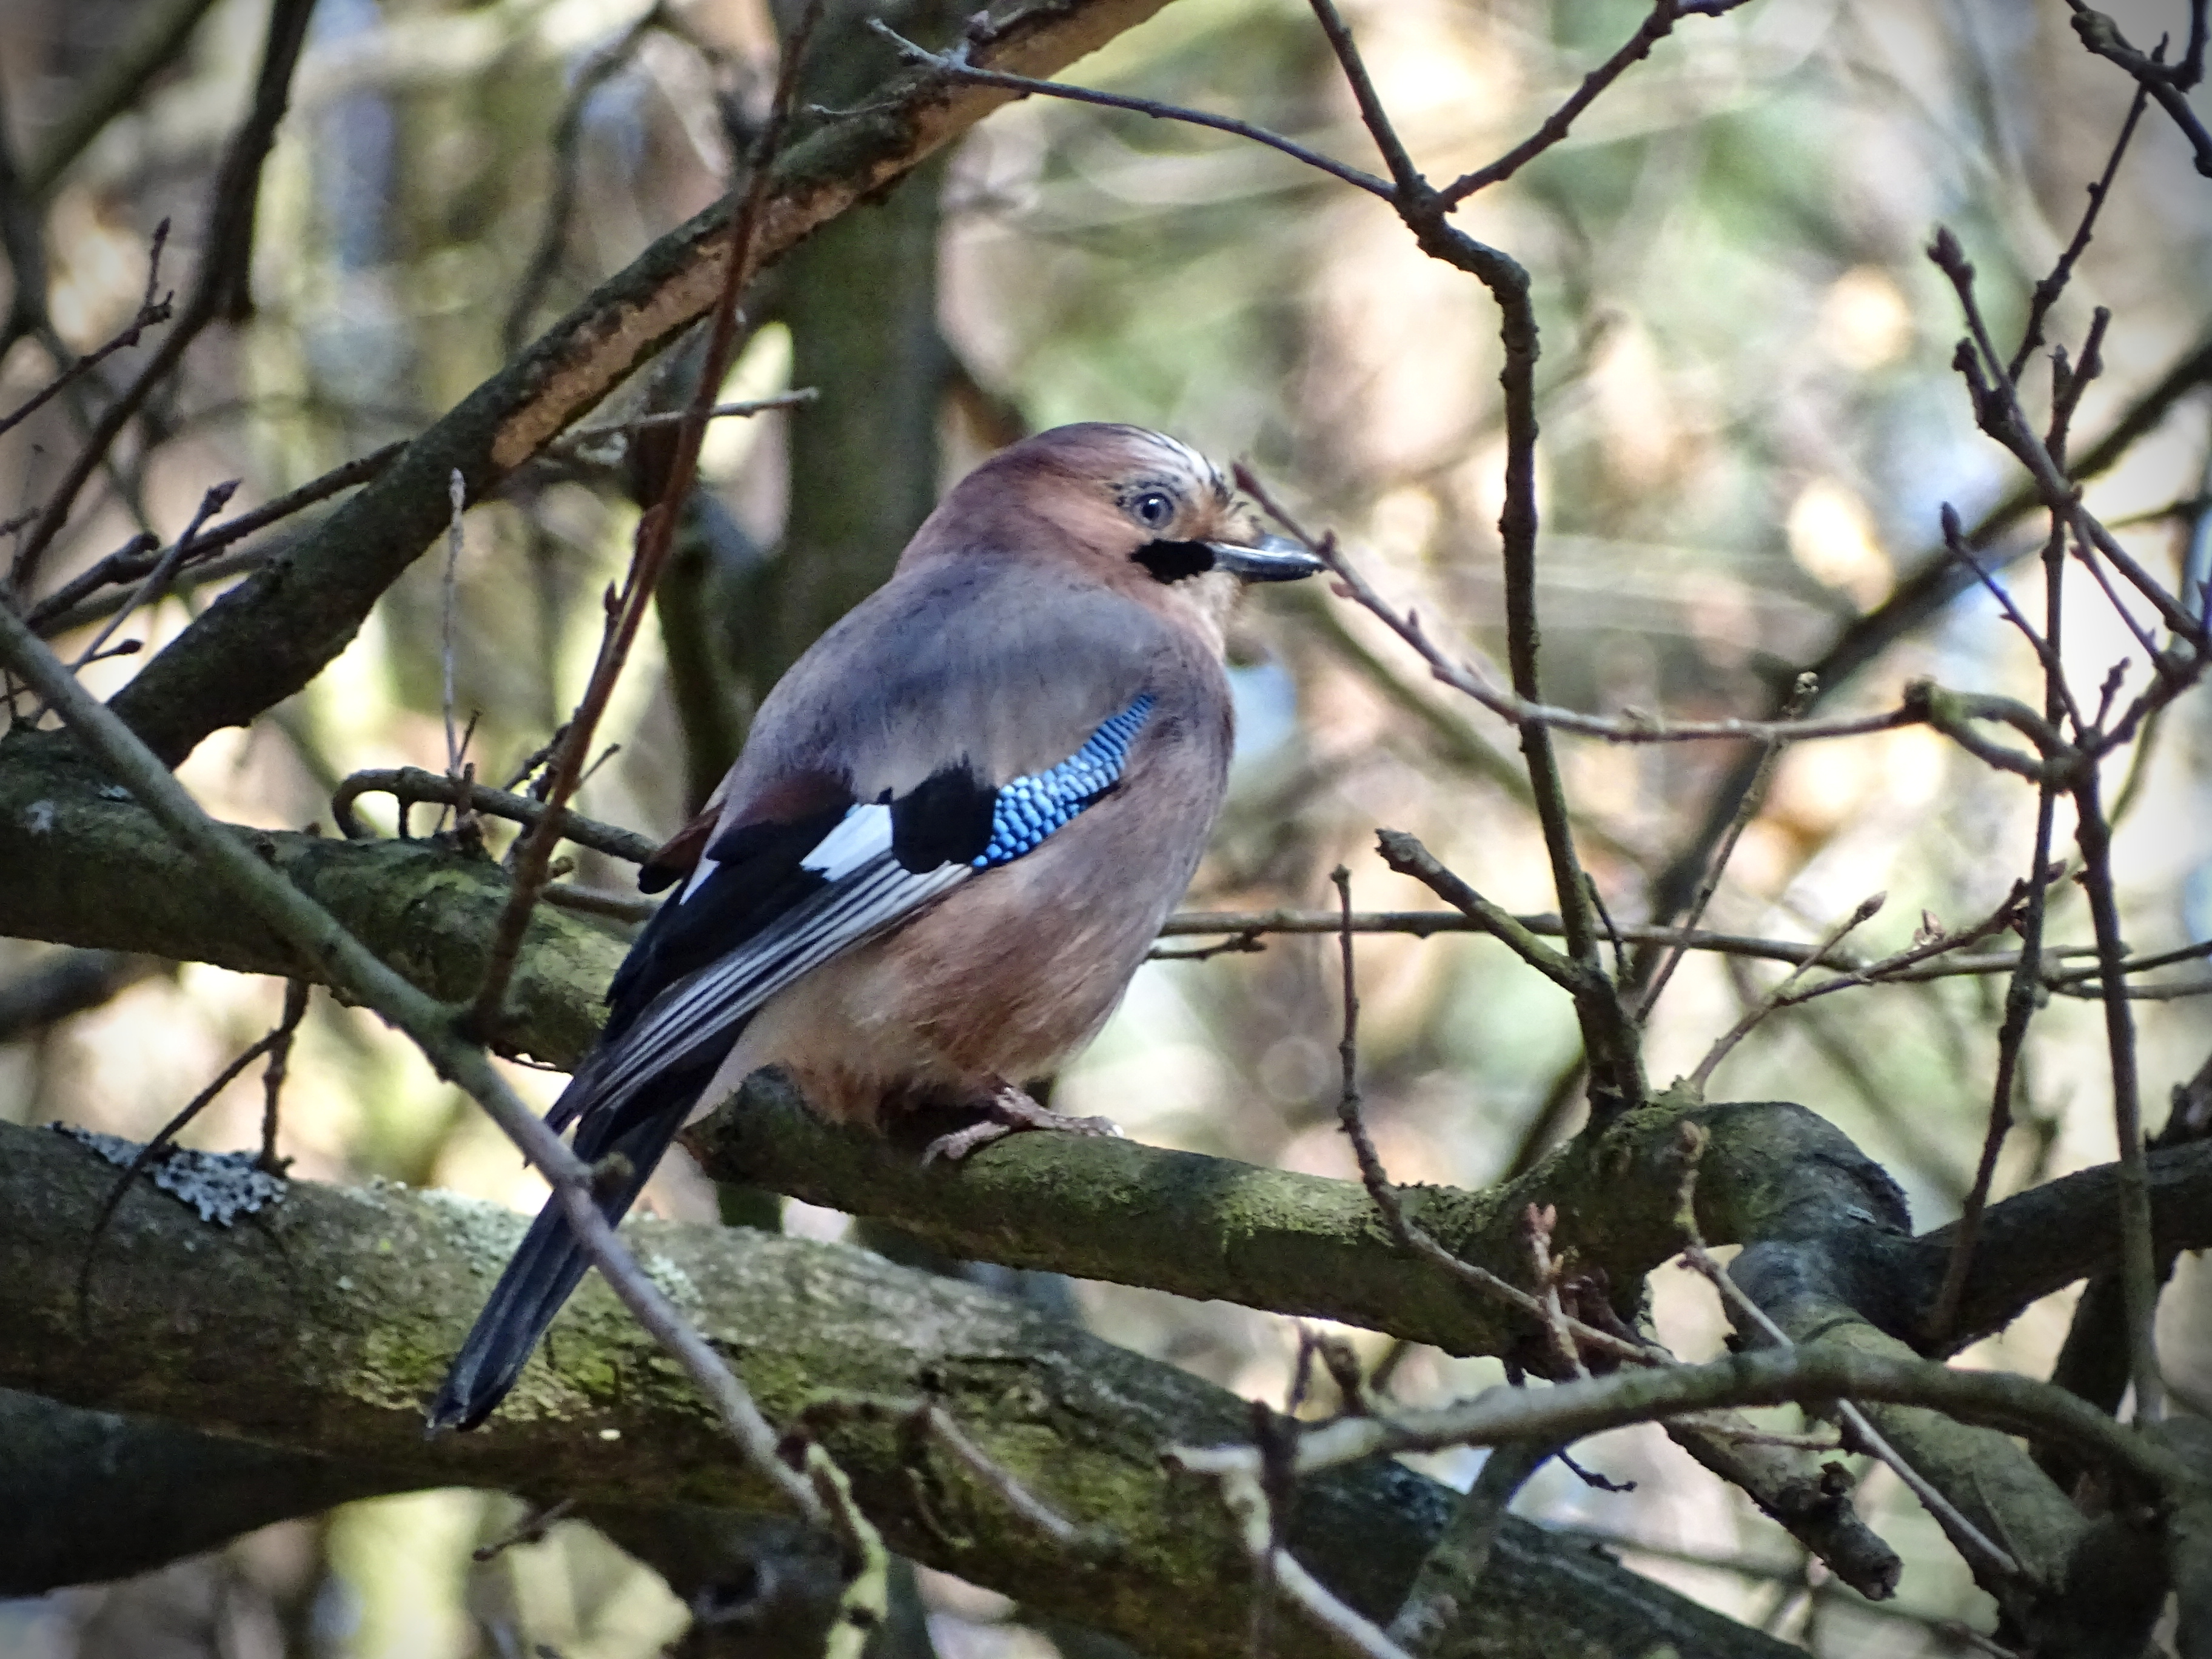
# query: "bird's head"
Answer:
x=1135 y=509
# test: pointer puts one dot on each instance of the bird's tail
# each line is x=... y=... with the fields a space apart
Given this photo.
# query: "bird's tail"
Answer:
x=551 y=1261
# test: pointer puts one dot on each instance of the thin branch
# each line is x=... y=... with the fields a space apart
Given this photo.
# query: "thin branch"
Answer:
x=1246 y=1498
x=1926 y=960
x=68 y=605
x=276 y=1042
x=153 y=309
x=1767 y=1004
x=1538 y=1220
x=1997 y=411
x=2046 y=651
x=1002 y=1482
x=2020 y=994
x=1635 y=726
x=1754 y=796
x=1403 y=174
x=2054 y=283
x=1406 y=854
x=655 y=535
x=157 y=585
x=297 y=994
x=587 y=437
x=1401 y=1227
x=1929 y=943
x=229 y=222
x=531 y=1529
x=1657 y=24
x=1810 y=1375
x=409 y=784
x=2102 y=36
x=954 y=65
x=2138 y=1264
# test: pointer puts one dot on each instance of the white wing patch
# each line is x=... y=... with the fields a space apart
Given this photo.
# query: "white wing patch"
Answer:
x=705 y=868
x=863 y=834
x=867 y=893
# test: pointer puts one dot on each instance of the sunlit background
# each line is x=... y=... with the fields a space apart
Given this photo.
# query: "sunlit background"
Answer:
x=1750 y=427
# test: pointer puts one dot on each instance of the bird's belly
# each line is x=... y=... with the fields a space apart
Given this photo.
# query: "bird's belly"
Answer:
x=1006 y=980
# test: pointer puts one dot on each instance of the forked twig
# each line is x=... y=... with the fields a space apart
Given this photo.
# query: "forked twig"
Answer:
x=1773 y=1000
x=1979 y=1549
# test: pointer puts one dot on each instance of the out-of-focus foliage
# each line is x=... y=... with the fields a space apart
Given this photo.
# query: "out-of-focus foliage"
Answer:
x=1749 y=424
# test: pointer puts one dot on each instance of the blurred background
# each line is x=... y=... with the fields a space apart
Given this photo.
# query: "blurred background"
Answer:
x=1749 y=426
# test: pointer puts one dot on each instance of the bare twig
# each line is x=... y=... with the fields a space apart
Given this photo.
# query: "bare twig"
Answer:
x=1404 y=175
x=409 y=784
x=1754 y=796
x=1816 y=1374
x=1929 y=943
x=2168 y=83
x=157 y=584
x=2054 y=283
x=1657 y=24
x=154 y=308
x=276 y=1043
x=2020 y=994
x=1446 y=1587
x=457 y=492
x=1526 y=713
x=1001 y=1480
x=954 y=65
x=1773 y=1000
x=1246 y=1499
x=297 y=993
x=655 y=532
x=1538 y=1220
x=70 y=605
x=1997 y=411
x=2046 y=650
x=2138 y=1265
x=230 y=218
x=586 y=437
x=1932 y=958
x=1410 y=1237
x=1241 y=942
x=531 y=1529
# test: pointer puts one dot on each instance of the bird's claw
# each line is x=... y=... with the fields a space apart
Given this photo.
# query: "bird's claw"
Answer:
x=1008 y=1112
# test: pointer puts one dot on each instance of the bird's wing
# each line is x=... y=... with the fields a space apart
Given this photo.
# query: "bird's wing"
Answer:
x=768 y=901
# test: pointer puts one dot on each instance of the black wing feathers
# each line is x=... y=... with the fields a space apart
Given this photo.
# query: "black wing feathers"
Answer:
x=943 y=819
x=758 y=877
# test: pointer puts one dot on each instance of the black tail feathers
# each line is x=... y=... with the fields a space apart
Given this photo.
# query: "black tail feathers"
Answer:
x=546 y=1268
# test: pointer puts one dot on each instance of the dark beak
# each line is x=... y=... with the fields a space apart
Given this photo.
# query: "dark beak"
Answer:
x=1274 y=559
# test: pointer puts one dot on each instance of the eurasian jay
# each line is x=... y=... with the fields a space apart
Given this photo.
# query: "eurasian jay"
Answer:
x=955 y=830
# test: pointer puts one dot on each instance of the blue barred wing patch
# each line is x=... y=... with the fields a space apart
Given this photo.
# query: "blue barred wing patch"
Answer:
x=1030 y=808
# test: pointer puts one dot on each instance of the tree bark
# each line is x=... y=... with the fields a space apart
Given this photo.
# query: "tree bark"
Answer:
x=316 y=1329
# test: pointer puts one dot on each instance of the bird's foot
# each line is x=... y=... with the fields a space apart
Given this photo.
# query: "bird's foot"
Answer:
x=1008 y=1111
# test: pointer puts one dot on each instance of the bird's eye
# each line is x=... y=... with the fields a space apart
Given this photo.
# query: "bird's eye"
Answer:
x=1153 y=508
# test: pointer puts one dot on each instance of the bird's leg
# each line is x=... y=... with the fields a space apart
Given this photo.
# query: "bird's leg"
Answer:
x=1006 y=1110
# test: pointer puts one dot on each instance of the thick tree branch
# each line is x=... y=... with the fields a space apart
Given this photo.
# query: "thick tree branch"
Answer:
x=89 y=867
x=349 y=1301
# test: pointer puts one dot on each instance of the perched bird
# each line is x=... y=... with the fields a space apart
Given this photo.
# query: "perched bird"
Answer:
x=955 y=830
